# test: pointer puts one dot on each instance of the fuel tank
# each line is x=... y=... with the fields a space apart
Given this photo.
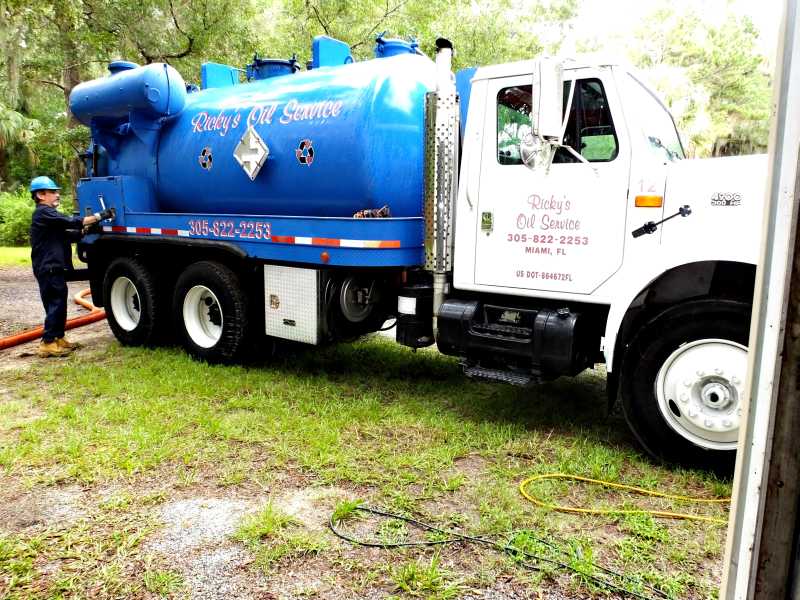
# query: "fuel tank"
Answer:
x=326 y=142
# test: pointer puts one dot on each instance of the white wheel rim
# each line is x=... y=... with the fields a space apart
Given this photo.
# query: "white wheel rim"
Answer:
x=700 y=388
x=125 y=303
x=202 y=316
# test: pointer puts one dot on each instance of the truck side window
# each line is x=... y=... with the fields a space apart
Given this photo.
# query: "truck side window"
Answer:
x=590 y=129
x=513 y=122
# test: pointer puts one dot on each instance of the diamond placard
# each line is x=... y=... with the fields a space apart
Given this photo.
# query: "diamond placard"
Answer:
x=251 y=153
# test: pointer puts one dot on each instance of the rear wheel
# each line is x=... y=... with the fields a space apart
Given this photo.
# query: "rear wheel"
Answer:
x=211 y=309
x=132 y=302
x=683 y=383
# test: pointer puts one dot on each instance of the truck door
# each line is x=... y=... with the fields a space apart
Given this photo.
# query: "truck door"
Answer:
x=560 y=229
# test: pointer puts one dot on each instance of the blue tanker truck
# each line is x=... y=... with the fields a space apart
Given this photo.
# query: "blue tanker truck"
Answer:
x=511 y=215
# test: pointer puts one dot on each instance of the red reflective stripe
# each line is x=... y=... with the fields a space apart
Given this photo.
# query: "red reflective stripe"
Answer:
x=283 y=239
x=325 y=242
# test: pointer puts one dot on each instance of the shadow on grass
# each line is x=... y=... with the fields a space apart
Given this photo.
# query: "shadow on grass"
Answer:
x=562 y=406
x=369 y=396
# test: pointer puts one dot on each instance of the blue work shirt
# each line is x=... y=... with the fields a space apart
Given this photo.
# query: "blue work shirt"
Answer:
x=51 y=236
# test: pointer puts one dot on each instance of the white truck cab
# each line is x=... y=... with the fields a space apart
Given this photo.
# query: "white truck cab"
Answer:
x=668 y=309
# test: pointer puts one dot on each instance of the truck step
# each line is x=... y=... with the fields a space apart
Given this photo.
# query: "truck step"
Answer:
x=499 y=376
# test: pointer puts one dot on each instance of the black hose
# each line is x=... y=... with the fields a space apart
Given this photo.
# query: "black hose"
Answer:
x=455 y=537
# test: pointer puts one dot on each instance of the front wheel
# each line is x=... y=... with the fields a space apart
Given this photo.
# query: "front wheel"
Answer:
x=683 y=383
x=211 y=309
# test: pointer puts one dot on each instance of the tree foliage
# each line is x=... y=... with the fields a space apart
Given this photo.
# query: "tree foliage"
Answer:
x=713 y=77
x=50 y=46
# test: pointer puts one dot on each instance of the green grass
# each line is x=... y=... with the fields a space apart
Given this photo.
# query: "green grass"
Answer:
x=273 y=536
x=266 y=523
x=13 y=256
x=405 y=431
x=426 y=579
x=346 y=510
x=162 y=583
x=20 y=256
x=93 y=556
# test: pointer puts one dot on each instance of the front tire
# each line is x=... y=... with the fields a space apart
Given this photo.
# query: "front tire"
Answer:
x=132 y=302
x=683 y=383
x=210 y=309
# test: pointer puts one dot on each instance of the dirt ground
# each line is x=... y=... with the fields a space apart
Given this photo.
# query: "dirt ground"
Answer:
x=21 y=309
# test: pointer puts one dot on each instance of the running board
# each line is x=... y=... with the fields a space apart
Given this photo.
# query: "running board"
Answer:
x=500 y=376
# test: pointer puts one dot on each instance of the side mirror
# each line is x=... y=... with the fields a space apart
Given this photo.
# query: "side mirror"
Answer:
x=547 y=100
x=536 y=152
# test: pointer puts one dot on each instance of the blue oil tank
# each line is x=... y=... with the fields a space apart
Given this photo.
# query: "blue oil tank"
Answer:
x=338 y=140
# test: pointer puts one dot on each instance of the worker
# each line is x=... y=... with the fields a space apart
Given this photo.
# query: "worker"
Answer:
x=51 y=256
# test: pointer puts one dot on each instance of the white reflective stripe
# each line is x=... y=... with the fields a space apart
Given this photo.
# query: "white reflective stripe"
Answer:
x=155 y=231
x=406 y=305
x=302 y=240
x=131 y=229
x=106 y=227
x=352 y=243
x=183 y=232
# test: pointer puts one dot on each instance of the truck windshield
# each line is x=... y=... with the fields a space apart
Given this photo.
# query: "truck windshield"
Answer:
x=655 y=122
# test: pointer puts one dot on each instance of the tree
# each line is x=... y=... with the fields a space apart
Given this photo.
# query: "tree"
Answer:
x=16 y=131
x=712 y=75
x=482 y=32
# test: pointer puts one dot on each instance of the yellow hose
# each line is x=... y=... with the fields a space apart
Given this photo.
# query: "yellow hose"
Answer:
x=615 y=511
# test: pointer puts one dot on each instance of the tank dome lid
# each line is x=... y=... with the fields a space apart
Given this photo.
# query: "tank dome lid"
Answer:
x=264 y=68
x=386 y=47
x=118 y=66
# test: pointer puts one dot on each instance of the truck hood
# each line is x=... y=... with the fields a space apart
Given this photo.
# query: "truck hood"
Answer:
x=727 y=198
x=717 y=183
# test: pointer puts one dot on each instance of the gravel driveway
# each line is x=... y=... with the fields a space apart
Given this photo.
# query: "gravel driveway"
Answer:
x=21 y=309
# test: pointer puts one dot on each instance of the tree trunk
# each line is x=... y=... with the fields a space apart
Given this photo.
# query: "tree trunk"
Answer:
x=12 y=52
x=11 y=45
x=71 y=75
x=3 y=169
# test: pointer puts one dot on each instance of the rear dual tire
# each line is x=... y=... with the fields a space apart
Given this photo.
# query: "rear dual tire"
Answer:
x=211 y=312
x=134 y=308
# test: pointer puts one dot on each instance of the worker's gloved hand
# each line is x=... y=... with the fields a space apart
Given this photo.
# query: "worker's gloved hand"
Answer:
x=108 y=213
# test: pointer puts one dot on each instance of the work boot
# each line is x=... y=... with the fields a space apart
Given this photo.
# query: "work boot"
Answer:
x=65 y=344
x=47 y=349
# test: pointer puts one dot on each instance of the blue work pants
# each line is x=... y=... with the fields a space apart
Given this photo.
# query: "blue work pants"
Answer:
x=53 y=290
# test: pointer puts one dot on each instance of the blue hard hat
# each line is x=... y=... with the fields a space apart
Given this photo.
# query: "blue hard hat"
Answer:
x=42 y=183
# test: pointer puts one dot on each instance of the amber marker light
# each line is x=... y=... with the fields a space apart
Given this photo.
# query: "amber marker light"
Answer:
x=649 y=201
x=325 y=257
